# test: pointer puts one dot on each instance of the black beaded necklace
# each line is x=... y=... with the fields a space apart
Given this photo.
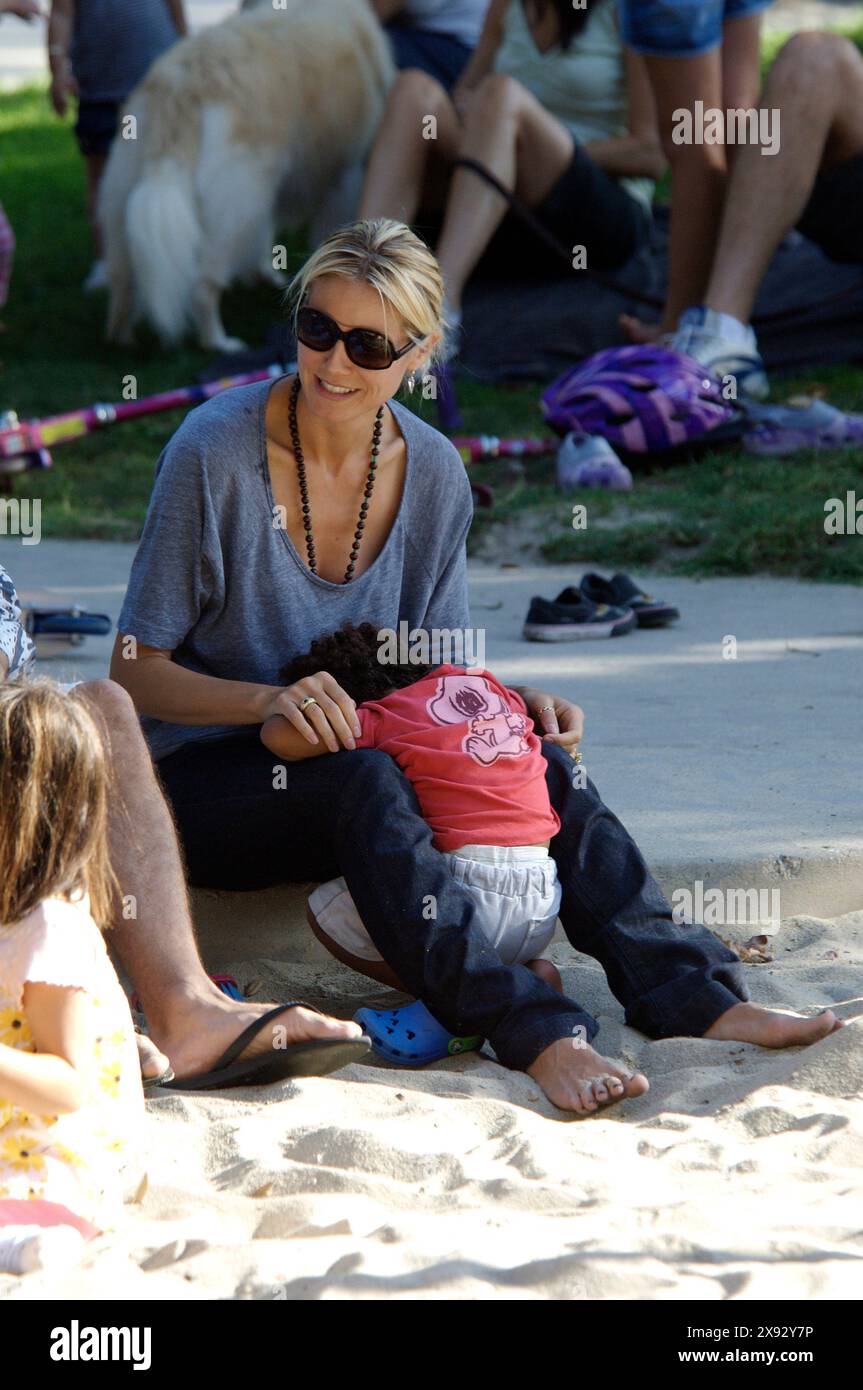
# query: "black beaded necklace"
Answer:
x=304 y=489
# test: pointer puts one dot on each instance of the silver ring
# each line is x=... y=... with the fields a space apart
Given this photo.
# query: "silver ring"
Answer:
x=542 y=709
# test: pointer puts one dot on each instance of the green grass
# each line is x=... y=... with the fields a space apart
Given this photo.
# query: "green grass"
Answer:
x=728 y=513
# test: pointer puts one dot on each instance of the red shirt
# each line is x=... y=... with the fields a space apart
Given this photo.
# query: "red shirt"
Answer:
x=468 y=746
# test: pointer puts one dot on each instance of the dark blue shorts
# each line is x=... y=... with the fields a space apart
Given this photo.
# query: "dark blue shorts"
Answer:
x=96 y=125
x=439 y=55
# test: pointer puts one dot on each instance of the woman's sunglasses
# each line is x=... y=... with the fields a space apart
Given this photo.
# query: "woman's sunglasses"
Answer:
x=364 y=346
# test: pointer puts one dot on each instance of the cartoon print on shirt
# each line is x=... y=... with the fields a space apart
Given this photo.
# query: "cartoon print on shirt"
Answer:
x=495 y=731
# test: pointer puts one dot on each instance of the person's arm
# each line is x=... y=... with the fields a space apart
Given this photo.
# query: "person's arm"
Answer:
x=60 y=27
x=163 y=689
x=287 y=742
x=637 y=154
x=56 y=1078
x=177 y=13
x=480 y=62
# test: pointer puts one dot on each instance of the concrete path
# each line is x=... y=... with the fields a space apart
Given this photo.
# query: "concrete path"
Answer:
x=740 y=772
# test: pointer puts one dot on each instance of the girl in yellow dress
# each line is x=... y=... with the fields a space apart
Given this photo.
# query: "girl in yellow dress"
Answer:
x=70 y=1082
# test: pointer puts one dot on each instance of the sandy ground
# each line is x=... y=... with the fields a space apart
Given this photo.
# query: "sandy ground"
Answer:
x=737 y=1176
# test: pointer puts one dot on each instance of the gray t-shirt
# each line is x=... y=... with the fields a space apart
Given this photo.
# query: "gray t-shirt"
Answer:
x=217 y=581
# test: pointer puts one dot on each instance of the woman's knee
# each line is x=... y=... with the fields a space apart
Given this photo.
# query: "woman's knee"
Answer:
x=415 y=94
x=112 y=701
x=810 y=61
x=497 y=96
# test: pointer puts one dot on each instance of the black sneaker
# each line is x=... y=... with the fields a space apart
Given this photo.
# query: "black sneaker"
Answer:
x=623 y=591
x=578 y=621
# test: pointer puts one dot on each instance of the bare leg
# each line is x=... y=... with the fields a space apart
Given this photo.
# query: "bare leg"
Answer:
x=817 y=85
x=698 y=178
x=188 y=1016
x=698 y=184
x=515 y=138
x=741 y=67
x=403 y=155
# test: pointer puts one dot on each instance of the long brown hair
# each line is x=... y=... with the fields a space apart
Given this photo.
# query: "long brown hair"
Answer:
x=53 y=802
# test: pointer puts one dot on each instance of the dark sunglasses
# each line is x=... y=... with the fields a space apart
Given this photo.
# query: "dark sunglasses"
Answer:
x=364 y=346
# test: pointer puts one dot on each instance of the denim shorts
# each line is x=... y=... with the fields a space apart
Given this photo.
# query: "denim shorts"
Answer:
x=515 y=889
x=680 y=28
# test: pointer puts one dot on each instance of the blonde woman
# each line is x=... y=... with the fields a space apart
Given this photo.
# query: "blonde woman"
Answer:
x=280 y=511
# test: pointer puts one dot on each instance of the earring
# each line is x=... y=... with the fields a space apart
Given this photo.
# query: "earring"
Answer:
x=412 y=381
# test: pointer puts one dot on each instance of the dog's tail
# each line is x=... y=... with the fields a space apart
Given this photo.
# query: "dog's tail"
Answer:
x=161 y=227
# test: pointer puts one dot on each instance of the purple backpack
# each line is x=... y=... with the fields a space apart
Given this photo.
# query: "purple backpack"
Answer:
x=641 y=399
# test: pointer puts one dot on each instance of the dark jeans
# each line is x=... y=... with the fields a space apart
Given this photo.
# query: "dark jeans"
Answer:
x=356 y=813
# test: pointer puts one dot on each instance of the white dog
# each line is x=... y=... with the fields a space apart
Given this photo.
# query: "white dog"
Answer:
x=264 y=117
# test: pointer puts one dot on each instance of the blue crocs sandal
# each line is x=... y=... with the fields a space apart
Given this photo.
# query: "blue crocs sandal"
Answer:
x=410 y=1036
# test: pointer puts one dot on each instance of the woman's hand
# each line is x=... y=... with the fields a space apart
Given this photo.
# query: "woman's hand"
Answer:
x=560 y=721
x=332 y=718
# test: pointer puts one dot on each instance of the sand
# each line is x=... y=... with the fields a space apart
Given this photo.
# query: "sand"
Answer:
x=737 y=1176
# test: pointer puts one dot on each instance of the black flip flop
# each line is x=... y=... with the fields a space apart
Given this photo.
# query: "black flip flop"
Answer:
x=315 y=1057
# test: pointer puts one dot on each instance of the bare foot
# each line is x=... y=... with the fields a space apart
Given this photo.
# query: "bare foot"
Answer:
x=195 y=1032
x=153 y=1062
x=639 y=332
x=769 y=1028
x=574 y=1077
x=546 y=971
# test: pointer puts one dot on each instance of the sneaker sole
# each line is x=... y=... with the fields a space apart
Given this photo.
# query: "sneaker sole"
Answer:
x=578 y=632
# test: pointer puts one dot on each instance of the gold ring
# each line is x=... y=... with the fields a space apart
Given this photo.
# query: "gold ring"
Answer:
x=309 y=700
x=576 y=756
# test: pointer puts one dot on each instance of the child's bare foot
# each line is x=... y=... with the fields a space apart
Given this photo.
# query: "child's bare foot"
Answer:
x=769 y=1028
x=546 y=971
x=574 y=1077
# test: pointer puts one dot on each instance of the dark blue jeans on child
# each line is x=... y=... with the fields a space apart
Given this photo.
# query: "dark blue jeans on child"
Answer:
x=243 y=827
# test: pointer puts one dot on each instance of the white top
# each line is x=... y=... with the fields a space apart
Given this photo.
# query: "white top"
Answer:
x=584 y=87
x=74 y=1159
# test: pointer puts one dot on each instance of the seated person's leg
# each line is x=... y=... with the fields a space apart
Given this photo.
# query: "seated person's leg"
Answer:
x=814 y=180
x=515 y=138
x=406 y=164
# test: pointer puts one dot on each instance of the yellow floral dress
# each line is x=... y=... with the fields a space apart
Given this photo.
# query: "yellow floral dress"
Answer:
x=75 y=1159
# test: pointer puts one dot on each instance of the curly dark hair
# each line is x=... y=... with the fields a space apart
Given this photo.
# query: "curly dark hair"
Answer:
x=350 y=655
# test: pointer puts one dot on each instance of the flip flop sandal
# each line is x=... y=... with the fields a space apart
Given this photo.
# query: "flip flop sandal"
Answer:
x=410 y=1036
x=625 y=593
x=150 y=1082
x=314 y=1057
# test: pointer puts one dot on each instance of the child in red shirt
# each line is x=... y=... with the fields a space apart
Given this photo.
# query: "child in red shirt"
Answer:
x=467 y=745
